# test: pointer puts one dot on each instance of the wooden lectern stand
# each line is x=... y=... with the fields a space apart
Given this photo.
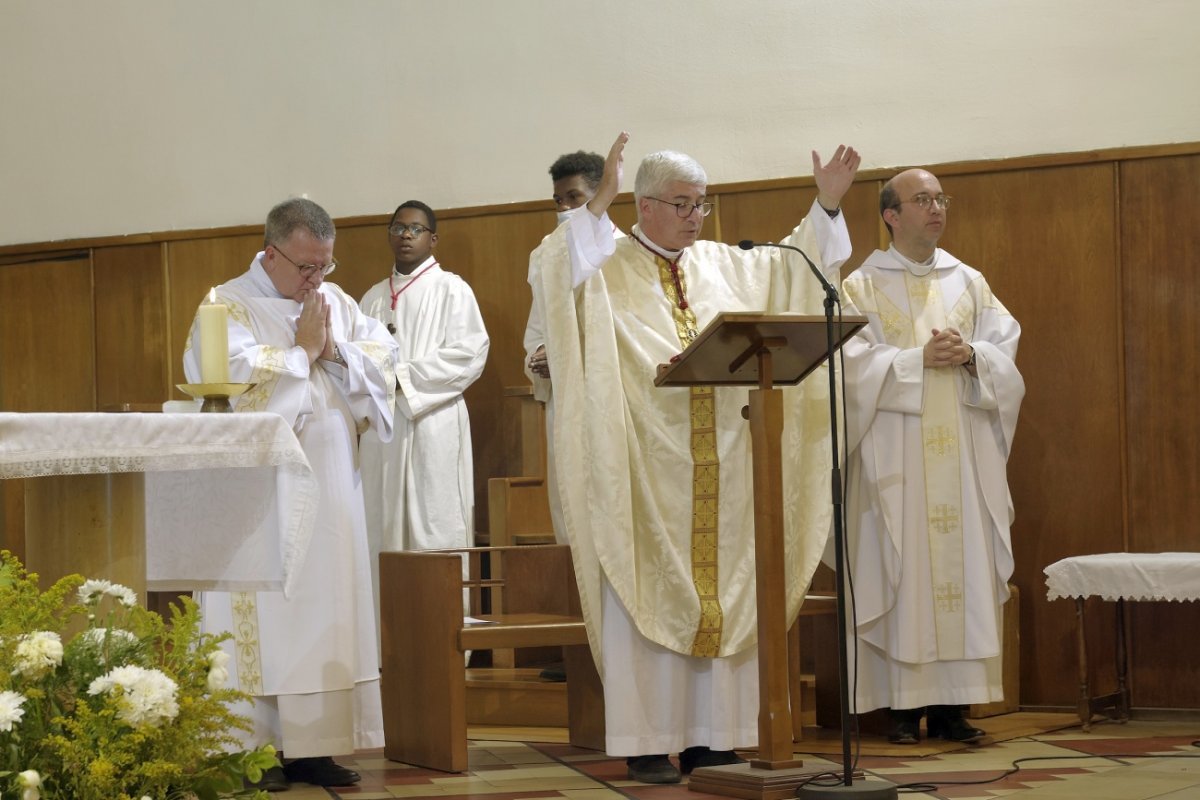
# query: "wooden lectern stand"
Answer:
x=762 y=350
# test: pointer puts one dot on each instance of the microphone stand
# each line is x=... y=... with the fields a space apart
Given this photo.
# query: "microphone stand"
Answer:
x=876 y=790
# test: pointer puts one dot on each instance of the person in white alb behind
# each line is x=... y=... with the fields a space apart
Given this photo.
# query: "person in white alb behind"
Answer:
x=419 y=487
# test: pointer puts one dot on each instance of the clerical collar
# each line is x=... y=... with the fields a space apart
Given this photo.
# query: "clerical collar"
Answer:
x=262 y=281
x=396 y=274
x=669 y=255
x=918 y=269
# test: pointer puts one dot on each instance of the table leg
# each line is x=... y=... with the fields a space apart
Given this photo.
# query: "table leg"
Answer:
x=1122 y=664
x=1085 y=698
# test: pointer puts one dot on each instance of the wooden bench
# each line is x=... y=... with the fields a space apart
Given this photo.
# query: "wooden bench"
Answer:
x=424 y=637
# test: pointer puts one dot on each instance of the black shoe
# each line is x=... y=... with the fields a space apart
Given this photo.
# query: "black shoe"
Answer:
x=320 y=771
x=905 y=725
x=273 y=780
x=947 y=722
x=652 y=769
x=555 y=673
x=696 y=757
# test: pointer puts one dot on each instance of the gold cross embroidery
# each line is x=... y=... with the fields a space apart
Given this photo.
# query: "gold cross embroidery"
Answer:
x=941 y=441
x=944 y=519
x=948 y=596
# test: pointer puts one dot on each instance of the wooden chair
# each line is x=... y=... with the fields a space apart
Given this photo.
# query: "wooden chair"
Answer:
x=424 y=638
x=519 y=512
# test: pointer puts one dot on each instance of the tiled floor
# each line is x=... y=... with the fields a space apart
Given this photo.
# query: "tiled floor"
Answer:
x=1139 y=760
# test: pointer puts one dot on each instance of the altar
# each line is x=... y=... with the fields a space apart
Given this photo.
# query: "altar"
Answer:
x=162 y=502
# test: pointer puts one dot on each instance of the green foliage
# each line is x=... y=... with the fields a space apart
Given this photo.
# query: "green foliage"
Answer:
x=105 y=700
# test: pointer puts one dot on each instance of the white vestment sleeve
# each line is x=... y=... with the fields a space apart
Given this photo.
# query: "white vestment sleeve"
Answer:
x=833 y=240
x=368 y=379
x=442 y=376
x=535 y=337
x=590 y=242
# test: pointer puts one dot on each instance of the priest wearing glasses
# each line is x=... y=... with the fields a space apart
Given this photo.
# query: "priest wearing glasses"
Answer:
x=656 y=483
x=933 y=395
x=309 y=659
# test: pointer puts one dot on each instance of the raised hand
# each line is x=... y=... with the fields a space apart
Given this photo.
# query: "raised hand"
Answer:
x=610 y=182
x=312 y=328
x=835 y=178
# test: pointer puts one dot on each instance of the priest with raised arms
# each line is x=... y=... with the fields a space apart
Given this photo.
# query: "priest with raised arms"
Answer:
x=656 y=484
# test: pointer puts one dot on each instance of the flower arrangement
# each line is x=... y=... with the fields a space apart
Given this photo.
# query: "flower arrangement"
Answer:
x=101 y=699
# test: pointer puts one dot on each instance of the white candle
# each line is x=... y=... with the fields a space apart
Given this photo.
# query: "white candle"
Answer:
x=214 y=340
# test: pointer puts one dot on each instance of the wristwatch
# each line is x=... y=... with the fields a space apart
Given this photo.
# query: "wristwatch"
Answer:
x=337 y=356
x=970 y=361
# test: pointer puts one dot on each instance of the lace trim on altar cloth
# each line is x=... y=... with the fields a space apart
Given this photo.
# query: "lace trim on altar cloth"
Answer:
x=1172 y=577
x=40 y=465
x=38 y=445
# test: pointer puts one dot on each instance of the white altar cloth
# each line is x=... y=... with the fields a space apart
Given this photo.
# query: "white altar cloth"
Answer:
x=230 y=498
x=1126 y=576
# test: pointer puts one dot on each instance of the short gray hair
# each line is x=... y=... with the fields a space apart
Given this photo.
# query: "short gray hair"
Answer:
x=296 y=213
x=659 y=169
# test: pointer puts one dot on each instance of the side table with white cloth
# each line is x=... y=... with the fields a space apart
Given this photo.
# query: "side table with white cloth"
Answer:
x=1117 y=577
x=162 y=502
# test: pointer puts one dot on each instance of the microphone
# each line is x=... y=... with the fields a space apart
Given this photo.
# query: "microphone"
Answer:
x=747 y=244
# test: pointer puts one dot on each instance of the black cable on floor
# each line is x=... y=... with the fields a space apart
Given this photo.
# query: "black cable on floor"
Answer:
x=1016 y=767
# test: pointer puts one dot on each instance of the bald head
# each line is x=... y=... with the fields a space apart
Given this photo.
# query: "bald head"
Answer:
x=913 y=208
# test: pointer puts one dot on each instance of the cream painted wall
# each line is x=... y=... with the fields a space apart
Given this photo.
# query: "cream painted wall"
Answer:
x=148 y=115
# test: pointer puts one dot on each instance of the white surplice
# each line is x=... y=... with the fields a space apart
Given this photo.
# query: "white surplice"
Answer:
x=670 y=608
x=928 y=500
x=308 y=658
x=420 y=486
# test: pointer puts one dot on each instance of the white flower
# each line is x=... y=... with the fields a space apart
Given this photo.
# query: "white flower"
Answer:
x=148 y=696
x=91 y=591
x=30 y=782
x=123 y=595
x=218 y=670
x=10 y=709
x=37 y=653
x=98 y=636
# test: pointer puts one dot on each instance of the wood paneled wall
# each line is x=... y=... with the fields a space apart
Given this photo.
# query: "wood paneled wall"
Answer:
x=1097 y=255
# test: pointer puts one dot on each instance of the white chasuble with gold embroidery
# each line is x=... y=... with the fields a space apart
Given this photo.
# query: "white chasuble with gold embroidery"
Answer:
x=656 y=483
x=929 y=507
x=311 y=655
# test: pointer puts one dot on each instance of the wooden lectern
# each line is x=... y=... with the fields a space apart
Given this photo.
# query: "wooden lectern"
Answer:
x=761 y=350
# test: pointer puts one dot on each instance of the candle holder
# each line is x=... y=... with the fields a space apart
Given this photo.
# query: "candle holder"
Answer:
x=215 y=395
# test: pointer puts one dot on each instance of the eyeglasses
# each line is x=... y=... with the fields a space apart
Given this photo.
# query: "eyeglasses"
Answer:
x=413 y=230
x=685 y=209
x=308 y=270
x=924 y=201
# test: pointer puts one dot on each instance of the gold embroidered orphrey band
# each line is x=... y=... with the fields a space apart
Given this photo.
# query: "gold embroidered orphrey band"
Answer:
x=706 y=470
